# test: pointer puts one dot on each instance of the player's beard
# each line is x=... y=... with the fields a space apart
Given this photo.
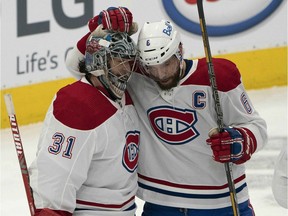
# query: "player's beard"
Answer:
x=171 y=82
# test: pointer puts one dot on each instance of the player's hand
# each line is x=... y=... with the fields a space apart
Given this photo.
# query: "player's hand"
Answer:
x=232 y=145
x=111 y=20
x=115 y=19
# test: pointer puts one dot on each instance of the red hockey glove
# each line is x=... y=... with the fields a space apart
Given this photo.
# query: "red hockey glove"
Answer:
x=232 y=145
x=49 y=212
x=112 y=19
x=115 y=19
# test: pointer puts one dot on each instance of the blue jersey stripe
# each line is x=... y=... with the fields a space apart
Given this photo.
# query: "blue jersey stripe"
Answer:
x=186 y=195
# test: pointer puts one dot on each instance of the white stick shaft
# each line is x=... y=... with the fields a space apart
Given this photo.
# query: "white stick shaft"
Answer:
x=9 y=104
x=20 y=151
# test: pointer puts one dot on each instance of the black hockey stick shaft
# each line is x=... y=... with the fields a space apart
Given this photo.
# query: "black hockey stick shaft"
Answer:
x=218 y=110
x=19 y=151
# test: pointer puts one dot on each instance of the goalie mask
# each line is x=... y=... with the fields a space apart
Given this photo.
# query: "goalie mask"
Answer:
x=111 y=59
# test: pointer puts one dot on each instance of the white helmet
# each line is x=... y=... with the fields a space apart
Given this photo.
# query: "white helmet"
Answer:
x=157 y=42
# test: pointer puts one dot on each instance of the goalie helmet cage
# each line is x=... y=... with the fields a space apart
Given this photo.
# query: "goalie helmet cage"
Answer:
x=218 y=110
x=19 y=151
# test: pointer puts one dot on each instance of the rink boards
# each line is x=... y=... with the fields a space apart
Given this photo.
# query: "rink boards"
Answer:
x=259 y=68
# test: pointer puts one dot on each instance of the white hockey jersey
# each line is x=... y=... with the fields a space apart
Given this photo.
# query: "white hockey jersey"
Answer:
x=87 y=154
x=175 y=163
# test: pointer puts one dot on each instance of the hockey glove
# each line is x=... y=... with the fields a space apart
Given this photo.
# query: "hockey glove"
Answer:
x=114 y=19
x=232 y=145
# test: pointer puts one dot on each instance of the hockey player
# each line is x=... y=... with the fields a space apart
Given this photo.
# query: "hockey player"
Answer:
x=181 y=158
x=181 y=169
x=88 y=150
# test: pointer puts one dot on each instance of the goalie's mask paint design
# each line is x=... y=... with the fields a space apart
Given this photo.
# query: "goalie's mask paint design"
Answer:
x=112 y=60
x=159 y=52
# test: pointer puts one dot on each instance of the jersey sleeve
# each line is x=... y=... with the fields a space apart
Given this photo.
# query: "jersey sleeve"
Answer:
x=238 y=110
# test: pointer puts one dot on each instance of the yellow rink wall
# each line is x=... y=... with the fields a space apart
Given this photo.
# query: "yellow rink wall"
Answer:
x=259 y=68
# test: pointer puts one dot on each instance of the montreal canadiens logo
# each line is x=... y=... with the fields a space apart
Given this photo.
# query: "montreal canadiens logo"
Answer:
x=246 y=103
x=172 y=125
x=223 y=17
x=131 y=149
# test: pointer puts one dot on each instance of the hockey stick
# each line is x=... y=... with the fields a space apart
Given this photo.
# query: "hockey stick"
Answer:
x=19 y=150
x=218 y=110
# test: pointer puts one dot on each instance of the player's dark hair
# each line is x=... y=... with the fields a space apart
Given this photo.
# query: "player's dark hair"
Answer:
x=82 y=66
x=82 y=69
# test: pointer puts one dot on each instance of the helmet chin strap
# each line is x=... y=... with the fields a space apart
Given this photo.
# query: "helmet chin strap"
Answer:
x=97 y=72
x=102 y=79
x=105 y=85
x=179 y=56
